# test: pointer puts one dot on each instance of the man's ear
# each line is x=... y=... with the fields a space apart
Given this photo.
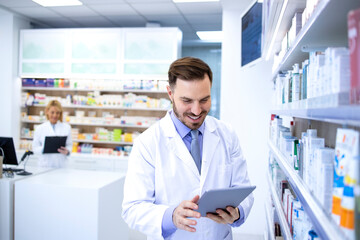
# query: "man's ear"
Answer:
x=170 y=92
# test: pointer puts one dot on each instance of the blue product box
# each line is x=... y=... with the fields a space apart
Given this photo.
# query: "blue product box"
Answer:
x=28 y=82
x=40 y=82
x=49 y=82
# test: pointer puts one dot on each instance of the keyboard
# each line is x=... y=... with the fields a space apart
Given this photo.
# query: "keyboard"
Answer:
x=13 y=169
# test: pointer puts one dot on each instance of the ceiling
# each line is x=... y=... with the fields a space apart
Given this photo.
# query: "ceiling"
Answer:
x=189 y=17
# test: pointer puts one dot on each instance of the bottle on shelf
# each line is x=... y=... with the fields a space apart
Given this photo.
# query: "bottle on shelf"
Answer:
x=295 y=76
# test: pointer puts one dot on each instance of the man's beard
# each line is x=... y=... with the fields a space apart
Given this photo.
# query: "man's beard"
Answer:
x=184 y=116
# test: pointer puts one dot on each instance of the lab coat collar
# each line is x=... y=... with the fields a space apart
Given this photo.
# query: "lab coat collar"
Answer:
x=177 y=146
x=49 y=125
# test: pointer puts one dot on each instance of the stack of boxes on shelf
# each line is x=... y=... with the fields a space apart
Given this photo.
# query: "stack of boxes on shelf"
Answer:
x=333 y=73
x=86 y=148
x=354 y=45
x=331 y=175
x=324 y=78
x=129 y=100
x=95 y=84
x=346 y=180
x=299 y=224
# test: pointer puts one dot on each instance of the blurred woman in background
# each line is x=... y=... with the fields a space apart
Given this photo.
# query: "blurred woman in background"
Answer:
x=54 y=126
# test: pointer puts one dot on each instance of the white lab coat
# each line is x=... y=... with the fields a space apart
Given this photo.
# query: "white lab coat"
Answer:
x=53 y=160
x=162 y=173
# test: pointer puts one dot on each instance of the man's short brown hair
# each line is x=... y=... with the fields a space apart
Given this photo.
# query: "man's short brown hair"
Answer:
x=188 y=68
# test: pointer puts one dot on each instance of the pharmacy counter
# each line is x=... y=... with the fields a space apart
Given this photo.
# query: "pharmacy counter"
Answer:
x=87 y=162
x=70 y=204
x=7 y=201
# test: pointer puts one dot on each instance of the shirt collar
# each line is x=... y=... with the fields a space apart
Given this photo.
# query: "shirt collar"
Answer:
x=181 y=128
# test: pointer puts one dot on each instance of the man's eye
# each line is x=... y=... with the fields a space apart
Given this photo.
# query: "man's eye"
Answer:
x=186 y=101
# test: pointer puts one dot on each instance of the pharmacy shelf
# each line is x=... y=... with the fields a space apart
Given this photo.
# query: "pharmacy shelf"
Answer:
x=327 y=27
x=323 y=224
x=91 y=141
x=285 y=229
x=325 y=109
x=277 y=25
x=91 y=90
x=94 y=157
x=270 y=222
x=102 y=142
x=25 y=137
x=106 y=107
x=94 y=124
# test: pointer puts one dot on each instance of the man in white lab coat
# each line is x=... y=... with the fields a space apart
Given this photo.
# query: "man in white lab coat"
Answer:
x=180 y=157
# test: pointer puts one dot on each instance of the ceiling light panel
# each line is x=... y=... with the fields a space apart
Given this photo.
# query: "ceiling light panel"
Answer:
x=188 y=1
x=215 y=36
x=57 y=3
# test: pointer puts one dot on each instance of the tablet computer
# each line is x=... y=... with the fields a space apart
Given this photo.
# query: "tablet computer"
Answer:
x=53 y=143
x=221 y=198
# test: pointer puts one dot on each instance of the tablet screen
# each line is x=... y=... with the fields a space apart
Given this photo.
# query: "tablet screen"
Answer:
x=221 y=198
x=53 y=143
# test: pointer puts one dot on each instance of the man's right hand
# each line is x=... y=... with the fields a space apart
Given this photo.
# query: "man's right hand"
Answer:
x=183 y=212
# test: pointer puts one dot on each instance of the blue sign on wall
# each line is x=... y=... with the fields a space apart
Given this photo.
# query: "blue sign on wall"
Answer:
x=251 y=34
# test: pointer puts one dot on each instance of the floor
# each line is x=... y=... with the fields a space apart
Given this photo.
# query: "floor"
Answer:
x=135 y=235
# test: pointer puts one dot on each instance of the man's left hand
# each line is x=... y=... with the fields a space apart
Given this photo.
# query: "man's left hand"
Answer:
x=225 y=217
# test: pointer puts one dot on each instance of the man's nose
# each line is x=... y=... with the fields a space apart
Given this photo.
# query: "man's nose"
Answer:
x=196 y=109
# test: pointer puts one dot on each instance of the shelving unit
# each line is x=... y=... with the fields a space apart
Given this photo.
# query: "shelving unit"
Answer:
x=90 y=90
x=92 y=141
x=89 y=127
x=325 y=227
x=94 y=124
x=102 y=142
x=326 y=27
x=106 y=107
x=276 y=27
x=285 y=230
x=86 y=63
x=90 y=157
x=270 y=223
x=314 y=109
x=328 y=19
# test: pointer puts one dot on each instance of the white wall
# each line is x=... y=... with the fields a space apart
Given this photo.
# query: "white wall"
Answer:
x=245 y=104
x=10 y=84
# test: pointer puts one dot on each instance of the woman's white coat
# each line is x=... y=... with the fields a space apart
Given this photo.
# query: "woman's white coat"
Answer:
x=53 y=160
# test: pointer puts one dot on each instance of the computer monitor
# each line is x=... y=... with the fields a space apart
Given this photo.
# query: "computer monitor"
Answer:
x=8 y=149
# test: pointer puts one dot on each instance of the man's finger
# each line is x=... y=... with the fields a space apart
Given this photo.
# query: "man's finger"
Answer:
x=215 y=218
x=187 y=228
x=195 y=199
x=189 y=205
x=234 y=212
x=186 y=221
x=225 y=216
x=191 y=213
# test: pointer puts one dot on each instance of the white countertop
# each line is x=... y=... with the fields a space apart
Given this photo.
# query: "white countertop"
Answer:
x=75 y=178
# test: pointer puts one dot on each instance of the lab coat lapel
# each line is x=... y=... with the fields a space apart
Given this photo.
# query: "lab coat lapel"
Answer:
x=210 y=142
x=176 y=145
x=51 y=129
